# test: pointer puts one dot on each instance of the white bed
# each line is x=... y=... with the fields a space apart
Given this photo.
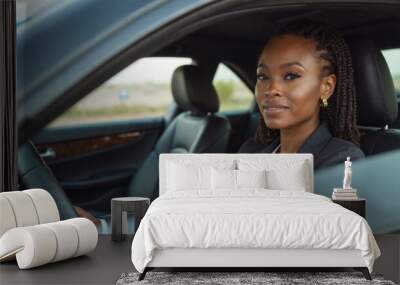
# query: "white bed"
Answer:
x=198 y=223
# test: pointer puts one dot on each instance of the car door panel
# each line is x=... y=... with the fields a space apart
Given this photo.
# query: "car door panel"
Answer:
x=96 y=162
x=84 y=131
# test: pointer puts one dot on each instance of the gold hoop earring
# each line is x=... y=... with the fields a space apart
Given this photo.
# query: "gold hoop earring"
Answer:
x=324 y=102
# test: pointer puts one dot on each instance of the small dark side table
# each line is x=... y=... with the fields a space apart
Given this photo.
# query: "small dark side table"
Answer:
x=136 y=205
x=357 y=206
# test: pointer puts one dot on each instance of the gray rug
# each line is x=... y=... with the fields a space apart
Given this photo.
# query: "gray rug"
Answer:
x=225 y=278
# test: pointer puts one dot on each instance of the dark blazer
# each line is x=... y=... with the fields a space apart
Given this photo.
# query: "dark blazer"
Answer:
x=326 y=149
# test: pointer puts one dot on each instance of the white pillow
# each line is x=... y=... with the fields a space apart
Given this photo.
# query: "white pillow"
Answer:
x=293 y=180
x=251 y=178
x=223 y=179
x=227 y=179
x=282 y=174
x=192 y=174
x=181 y=177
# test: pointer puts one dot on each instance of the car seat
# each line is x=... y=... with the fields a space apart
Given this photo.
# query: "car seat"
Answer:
x=197 y=130
x=376 y=98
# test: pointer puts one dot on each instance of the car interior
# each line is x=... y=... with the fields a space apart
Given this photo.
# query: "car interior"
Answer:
x=91 y=163
x=98 y=105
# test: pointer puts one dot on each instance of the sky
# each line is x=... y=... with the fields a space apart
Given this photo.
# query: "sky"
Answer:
x=158 y=70
x=149 y=69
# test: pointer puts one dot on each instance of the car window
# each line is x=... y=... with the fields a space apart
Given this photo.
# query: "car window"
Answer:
x=232 y=92
x=392 y=57
x=141 y=90
x=27 y=10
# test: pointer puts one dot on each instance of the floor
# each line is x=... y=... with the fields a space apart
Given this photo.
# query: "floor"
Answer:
x=389 y=262
x=110 y=260
x=102 y=266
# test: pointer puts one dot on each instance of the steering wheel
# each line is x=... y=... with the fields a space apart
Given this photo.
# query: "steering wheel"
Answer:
x=35 y=173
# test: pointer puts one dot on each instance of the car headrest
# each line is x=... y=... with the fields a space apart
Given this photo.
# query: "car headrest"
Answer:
x=192 y=90
x=375 y=92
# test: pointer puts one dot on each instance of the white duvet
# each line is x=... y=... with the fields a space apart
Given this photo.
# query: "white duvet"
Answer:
x=253 y=218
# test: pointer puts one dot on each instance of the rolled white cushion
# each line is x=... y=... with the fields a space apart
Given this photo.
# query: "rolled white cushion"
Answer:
x=67 y=240
x=45 y=205
x=33 y=246
x=41 y=244
x=87 y=235
x=23 y=208
x=26 y=208
x=7 y=218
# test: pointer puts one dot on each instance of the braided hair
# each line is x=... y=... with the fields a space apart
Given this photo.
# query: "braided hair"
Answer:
x=341 y=113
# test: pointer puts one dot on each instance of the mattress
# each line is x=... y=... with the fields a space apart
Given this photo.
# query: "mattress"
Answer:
x=250 y=219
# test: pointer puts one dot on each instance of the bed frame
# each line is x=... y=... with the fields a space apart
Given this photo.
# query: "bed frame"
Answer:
x=242 y=259
x=246 y=258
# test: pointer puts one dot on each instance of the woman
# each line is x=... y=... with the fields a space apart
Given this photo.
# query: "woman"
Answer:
x=306 y=96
